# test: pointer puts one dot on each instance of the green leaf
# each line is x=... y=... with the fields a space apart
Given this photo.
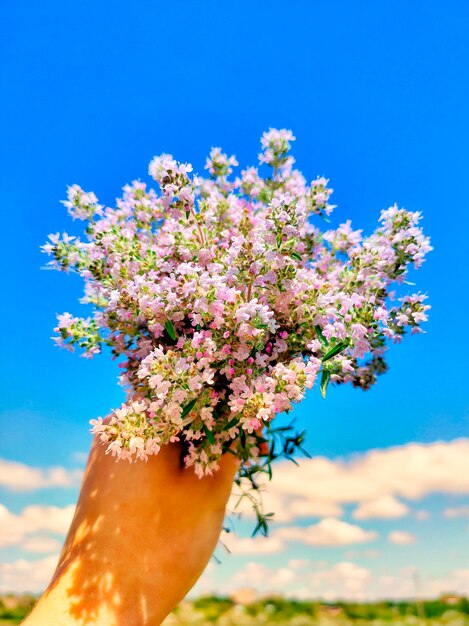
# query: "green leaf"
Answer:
x=209 y=434
x=295 y=255
x=231 y=423
x=188 y=408
x=337 y=349
x=242 y=436
x=305 y=452
x=262 y=525
x=169 y=327
x=320 y=336
x=326 y=376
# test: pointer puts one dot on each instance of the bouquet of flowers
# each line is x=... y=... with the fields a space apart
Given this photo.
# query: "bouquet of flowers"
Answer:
x=226 y=302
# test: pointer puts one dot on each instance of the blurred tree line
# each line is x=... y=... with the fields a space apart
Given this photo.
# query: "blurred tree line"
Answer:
x=448 y=610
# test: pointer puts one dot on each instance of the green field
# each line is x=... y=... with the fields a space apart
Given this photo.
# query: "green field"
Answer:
x=206 y=611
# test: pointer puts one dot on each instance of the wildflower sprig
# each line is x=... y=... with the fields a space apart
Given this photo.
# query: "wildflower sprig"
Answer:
x=225 y=302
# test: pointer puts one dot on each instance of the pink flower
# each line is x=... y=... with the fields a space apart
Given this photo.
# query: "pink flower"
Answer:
x=226 y=301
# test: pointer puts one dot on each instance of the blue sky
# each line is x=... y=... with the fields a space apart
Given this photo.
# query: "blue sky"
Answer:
x=377 y=96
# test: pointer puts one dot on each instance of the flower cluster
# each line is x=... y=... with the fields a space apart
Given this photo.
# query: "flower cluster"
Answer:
x=226 y=302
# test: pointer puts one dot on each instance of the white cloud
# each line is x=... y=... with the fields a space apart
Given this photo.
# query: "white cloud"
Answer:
x=50 y=518
x=374 y=481
x=401 y=538
x=367 y=554
x=80 y=457
x=346 y=580
x=20 y=477
x=310 y=508
x=33 y=519
x=286 y=508
x=343 y=579
x=299 y=563
x=327 y=532
x=456 y=582
x=459 y=511
x=253 y=545
x=422 y=515
x=21 y=575
x=41 y=544
x=384 y=507
x=260 y=576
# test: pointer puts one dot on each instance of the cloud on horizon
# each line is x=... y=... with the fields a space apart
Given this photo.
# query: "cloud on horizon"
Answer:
x=24 y=530
x=345 y=580
x=373 y=481
x=19 y=477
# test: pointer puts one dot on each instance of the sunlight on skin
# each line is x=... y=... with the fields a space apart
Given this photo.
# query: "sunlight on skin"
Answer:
x=141 y=537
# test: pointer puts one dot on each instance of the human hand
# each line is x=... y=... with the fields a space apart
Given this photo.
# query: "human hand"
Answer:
x=141 y=537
